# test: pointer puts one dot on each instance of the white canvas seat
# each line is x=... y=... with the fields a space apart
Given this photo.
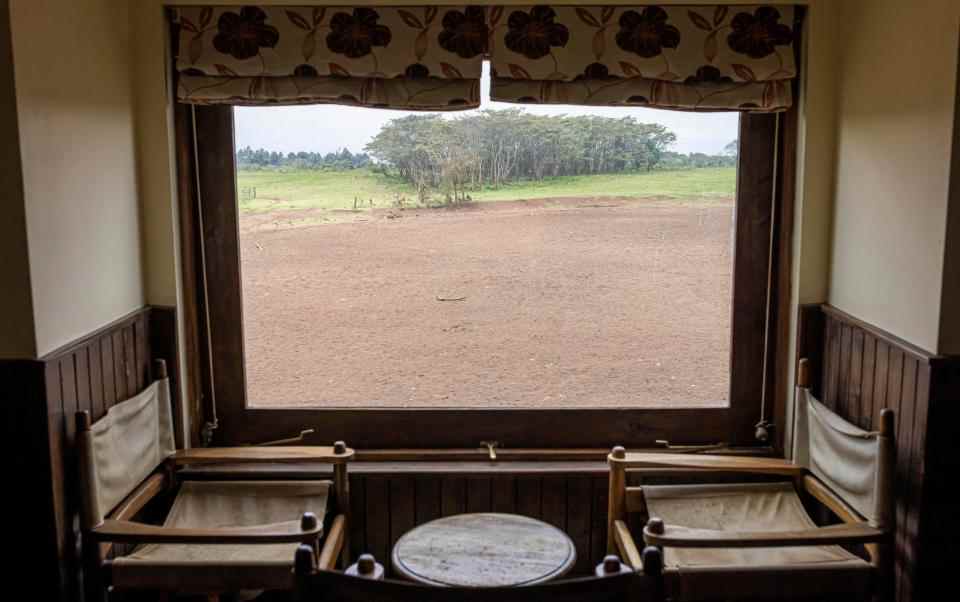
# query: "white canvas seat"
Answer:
x=738 y=507
x=218 y=536
x=755 y=540
x=215 y=504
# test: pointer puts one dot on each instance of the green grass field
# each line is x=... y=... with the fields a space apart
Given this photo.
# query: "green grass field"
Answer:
x=309 y=189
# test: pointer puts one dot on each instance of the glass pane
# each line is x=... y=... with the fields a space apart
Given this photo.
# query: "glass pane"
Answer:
x=512 y=257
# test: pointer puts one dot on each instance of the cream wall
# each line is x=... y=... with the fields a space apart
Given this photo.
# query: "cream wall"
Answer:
x=816 y=154
x=75 y=107
x=894 y=143
x=157 y=167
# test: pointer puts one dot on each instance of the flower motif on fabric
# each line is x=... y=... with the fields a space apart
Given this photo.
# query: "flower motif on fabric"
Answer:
x=355 y=35
x=708 y=74
x=464 y=33
x=758 y=35
x=416 y=71
x=596 y=71
x=305 y=70
x=243 y=35
x=647 y=33
x=533 y=34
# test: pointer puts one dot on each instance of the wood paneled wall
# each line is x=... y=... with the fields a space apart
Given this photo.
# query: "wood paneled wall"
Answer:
x=40 y=400
x=384 y=507
x=857 y=370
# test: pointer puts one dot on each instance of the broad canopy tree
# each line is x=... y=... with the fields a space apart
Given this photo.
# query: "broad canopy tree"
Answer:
x=491 y=148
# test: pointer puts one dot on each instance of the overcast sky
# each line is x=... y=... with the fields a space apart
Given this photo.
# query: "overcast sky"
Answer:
x=327 y=128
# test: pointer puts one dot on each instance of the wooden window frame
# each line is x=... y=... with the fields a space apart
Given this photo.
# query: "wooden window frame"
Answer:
x=207 y=168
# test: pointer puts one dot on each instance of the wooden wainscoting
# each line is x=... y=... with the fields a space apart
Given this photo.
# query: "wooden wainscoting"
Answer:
x=384 y=507
x=857 y=370
x=40 y=398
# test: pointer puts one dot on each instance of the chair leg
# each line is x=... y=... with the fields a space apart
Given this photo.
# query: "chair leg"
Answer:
x=345 y=551
x=91 y=560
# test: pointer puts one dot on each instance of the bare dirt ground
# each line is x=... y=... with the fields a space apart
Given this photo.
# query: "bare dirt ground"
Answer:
x=606 y=302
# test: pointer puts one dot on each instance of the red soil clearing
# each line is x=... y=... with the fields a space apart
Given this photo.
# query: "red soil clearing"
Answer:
x=554 y=303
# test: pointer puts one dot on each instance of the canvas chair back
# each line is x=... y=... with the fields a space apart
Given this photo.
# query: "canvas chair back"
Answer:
x=129 y=442
x=853 y=462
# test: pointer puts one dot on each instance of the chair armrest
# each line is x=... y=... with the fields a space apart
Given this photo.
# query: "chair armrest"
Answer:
x=300 y=453
x=122 y=531
x=141 y=496
x=680 y=537
x=715 y=462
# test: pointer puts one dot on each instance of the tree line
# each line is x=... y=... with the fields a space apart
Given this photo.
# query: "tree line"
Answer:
x=248 y=158
x=671 y=160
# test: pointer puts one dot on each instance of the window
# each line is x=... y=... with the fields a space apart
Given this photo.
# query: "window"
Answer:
x=582 y=322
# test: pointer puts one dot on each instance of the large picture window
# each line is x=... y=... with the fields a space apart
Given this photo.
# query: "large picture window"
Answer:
x=559 y=321
x=540 y=274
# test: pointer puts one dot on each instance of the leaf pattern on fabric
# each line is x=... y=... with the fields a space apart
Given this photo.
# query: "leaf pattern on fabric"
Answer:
x=707 y=57
x=424 y=94
x=690 y=57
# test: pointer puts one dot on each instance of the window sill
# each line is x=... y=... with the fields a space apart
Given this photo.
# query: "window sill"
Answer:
x=439 y=462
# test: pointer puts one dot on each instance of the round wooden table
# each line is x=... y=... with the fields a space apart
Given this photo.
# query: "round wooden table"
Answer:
x=484 y=550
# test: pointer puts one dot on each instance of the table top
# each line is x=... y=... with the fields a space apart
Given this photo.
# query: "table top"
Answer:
x=484 y=550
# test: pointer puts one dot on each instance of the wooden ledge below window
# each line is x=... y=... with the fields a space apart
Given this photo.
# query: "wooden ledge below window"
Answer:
x=442 y=467
x=377 y=463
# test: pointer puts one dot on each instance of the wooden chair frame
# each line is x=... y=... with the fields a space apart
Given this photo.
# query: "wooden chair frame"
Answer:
x=100 y=531
x=875 y=535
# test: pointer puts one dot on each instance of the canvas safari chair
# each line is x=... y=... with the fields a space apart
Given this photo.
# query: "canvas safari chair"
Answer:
x=218 y=536
x=755 y=540
x=614 y=582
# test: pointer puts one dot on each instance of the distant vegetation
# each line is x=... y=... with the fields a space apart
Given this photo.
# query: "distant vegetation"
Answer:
x=267 y=190
x=429 y=160
x=248 y=158
x=492 y=149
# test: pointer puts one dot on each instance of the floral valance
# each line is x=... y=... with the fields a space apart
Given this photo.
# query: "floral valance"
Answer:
x=411 y=58
x=689 y=57
x=683 y=57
